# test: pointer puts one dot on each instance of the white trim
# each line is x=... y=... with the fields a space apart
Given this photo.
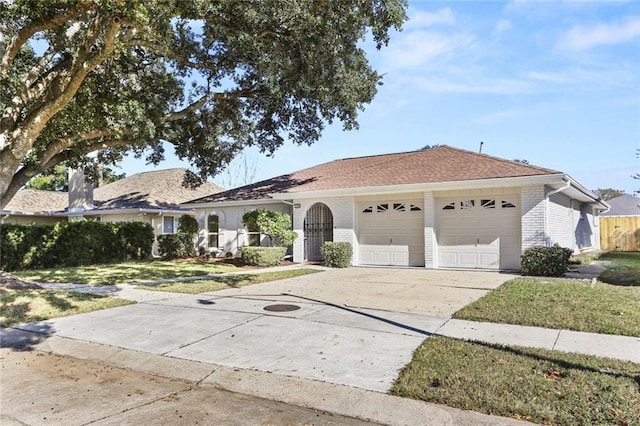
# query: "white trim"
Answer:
x=421 y=187
x=236 y=203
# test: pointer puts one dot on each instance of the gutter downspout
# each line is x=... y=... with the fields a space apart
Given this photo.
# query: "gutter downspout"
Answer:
x=546 y=203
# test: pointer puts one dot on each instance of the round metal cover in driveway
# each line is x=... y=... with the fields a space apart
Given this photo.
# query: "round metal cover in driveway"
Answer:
x=281 y=308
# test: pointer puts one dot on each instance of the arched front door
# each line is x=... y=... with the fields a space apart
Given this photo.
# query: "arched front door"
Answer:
x=318 y=228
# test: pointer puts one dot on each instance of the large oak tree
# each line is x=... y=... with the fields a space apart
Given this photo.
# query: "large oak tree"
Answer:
x=208 y=77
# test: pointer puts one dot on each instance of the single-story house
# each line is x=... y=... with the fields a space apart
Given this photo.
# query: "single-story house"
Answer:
x=153 y=197
x=436 y=208
x=620 y=226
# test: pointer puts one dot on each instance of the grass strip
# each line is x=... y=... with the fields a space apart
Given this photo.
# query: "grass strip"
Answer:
x=228 y=281
x=624 y=269
x=560 y=304
x=22 y=306
x=125 y=272
x=537 y=385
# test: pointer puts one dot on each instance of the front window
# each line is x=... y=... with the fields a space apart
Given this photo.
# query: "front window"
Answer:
x=168 y=225
x=213 y=230
x=253 y=235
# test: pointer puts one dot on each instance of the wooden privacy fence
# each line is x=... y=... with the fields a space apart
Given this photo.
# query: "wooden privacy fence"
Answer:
x=620 y=233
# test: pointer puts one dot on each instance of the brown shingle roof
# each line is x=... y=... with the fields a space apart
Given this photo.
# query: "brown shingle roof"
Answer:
x=439 y=164
x=36 y=201
x=157 y=189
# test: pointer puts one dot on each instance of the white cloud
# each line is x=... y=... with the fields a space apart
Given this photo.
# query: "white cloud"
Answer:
x=585 y=37
x=472 y=86
x=422 y=19
x=419 y=48
x=502 y=26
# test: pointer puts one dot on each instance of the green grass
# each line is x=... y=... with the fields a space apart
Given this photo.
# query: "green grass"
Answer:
x=533 y=384
x=125 y=272
x=22 y=306
x=560 y=304
x=228 y=281
x=624 y=269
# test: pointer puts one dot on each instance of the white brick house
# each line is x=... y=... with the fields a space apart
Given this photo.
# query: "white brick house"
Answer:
x=437 y=208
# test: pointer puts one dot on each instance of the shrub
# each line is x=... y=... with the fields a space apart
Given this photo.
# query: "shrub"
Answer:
x=337 y=254
x=136 y=240
x=72 y=244
x=263 y=256
x=275 y=225
x=173 y=246
x=188 y=224
x=545 y=261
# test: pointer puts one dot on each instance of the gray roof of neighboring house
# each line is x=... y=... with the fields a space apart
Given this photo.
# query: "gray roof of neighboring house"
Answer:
x=160 y=189
x=625 y=205
x=439 y=164
x=35 y=201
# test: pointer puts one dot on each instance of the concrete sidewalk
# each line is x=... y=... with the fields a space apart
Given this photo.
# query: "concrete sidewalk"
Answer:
x=337 y=351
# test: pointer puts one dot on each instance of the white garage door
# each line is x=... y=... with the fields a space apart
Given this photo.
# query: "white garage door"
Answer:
x=478 y=232
x=391 y=233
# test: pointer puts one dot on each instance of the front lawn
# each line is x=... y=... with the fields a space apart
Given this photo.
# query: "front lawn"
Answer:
x=125 y=272
x=538 y=385
x=22 y=306
x=228 y=281
x=560 y=304
x=623 y=270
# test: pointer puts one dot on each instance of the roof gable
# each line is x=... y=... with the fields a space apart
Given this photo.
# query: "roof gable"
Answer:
x=439 y=164
x=34 y=201
x=156 y=189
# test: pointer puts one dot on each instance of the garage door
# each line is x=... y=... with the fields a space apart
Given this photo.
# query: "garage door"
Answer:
x=478 y=232
x=391 y=233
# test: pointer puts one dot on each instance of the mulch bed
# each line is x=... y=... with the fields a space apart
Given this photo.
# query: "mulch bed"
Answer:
x=12 y=283
x=235 y=261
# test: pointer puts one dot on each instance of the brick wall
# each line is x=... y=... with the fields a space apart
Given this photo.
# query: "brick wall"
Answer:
x=533 y=216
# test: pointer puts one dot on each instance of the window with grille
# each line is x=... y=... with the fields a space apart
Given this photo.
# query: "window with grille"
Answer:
x=213 y=231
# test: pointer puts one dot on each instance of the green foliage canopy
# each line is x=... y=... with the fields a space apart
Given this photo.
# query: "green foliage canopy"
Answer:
x=208 y=77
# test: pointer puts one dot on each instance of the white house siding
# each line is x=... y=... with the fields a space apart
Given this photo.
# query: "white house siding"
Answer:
x=561 y=221
x=571 y=223
x=33 y=220
x=532 y=200
x=232 y=232
x=342 y=209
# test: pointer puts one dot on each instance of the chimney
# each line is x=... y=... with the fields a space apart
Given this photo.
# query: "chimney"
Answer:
x=80 y=192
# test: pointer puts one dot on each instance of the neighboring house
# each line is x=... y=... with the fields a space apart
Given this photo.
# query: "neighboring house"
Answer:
x=151 y=197
x=438 y=208
x=33 y=206
x=620 y=226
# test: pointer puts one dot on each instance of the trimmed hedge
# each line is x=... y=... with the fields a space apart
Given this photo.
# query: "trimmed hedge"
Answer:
x=174 y=246
x=545 y=261
x=337 y=254
x=72 y=244
x=263 y=256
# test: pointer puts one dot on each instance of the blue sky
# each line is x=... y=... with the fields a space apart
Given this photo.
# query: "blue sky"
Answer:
x=554 y=83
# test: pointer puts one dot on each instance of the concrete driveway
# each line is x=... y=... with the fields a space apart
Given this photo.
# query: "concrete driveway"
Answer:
x=356 y=327
x=411 y=290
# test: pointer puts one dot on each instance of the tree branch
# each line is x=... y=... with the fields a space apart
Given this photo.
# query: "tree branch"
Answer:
x=22 y=36
x=178 y=115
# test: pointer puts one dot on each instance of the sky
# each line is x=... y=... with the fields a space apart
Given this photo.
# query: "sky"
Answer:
x=554 y=83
